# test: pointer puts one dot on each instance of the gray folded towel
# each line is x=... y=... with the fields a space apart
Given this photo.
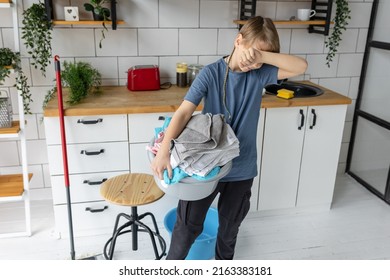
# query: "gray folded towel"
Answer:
x=206 y=142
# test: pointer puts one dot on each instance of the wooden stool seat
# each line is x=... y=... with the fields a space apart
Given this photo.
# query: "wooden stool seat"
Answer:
x=132 y=190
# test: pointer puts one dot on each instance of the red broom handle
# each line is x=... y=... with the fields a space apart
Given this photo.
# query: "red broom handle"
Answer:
x=61 y=115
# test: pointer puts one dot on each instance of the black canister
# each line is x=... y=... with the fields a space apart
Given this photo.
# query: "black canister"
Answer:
x=181 y=74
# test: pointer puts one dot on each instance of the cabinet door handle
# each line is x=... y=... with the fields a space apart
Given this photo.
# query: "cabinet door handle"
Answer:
x=96 y=210
x=90 y=121
x=314 y=119
x=302 y=119
x=95 y=153
x=91 y=183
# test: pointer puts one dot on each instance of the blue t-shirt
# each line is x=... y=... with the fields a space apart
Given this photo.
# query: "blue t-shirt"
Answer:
x=243 y=99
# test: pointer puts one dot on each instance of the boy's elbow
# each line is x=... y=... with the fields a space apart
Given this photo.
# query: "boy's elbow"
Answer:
x=303 y=66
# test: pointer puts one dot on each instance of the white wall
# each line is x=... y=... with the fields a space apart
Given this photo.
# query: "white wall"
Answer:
x=166 y=31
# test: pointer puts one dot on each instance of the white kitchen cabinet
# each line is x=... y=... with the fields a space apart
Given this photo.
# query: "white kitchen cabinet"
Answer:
x=98 y=149
x=300 y=153
x=320 y=155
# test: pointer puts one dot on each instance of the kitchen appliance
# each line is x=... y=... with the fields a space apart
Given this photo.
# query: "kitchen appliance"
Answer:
x=5 y=110
x=143 y=77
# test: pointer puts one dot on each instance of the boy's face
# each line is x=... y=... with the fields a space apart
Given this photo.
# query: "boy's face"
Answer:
x=254 y=50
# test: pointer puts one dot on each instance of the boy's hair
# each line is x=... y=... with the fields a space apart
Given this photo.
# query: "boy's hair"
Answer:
x=263 y=29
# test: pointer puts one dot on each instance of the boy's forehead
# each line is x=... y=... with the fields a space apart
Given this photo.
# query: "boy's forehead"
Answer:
x=260 y=45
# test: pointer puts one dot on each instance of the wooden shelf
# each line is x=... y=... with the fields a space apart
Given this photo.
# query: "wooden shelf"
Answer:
x=85 y=22
x=12 y=185
x=15 y=128
x=5 y=3
x=289 y=22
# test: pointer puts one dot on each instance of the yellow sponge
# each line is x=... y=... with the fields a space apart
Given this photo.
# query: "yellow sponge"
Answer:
x=285 y=93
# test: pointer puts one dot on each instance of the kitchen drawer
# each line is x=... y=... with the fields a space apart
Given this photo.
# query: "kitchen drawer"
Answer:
x=141 y=126
x=139 y=162
x=83 y=187
x=88 y=129
x=89 y=218
x=87 y=158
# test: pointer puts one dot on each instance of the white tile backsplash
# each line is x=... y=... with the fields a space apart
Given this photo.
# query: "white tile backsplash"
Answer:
x=218 y=14
x=8 y=38
x=226 y=39
x=36 y=152
x=163 y=32
x=350 y=65
x=174 y=13
x=138 y=13
x=198 y=41
x=304 y=42
x=9 y=153
x=317 y=67
x=110 y=45
x=158 y=42
x=73 y=42
x=340 y=85
x=6 y=18
x=266 y=9
x=349 y=41
x=362 y=40
x=354 y=88
x=360 y=14
x=285 y=40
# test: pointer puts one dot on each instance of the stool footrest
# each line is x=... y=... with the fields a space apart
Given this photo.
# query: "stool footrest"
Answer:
x=134 y=221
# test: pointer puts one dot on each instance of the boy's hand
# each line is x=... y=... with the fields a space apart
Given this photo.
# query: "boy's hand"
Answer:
x=250 y=59
x=159 y=164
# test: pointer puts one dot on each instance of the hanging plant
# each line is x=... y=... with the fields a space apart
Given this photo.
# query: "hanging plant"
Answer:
x=36 y=32
x=343 y=14
x=99 y=12
x=11 y=60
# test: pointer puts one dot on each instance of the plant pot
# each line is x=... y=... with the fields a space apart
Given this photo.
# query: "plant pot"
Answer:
x=97 y=17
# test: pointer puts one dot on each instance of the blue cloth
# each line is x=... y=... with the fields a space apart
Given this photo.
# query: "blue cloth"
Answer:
x=243 y=100
x=157 y=130
x=178 y=174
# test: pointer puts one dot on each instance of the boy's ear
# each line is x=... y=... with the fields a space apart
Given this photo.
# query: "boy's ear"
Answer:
x=238 y=40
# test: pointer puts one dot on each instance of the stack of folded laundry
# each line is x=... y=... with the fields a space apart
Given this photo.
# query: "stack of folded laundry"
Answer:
x=206 y=143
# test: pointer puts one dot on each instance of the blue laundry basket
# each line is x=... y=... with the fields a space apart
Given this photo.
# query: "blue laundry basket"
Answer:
x=204 y=246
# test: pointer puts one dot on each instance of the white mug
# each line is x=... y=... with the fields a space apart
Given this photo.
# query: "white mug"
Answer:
x=305 y=14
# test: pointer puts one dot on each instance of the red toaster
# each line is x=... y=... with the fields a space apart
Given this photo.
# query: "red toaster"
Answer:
x=143 y=77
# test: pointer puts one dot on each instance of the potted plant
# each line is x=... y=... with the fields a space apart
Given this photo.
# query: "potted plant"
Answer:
x=36 y=32
x=343 y=14
x=11 y=60
x=100 y=12
x=81 y=79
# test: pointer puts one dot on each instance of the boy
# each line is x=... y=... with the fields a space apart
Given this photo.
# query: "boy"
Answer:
x=231 y=86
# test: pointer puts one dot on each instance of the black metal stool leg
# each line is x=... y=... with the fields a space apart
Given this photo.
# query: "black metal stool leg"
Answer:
x=134 y=228
x=115 y=234
x=155 y=225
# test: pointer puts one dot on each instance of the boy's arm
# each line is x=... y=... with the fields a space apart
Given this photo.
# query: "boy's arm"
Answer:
x=175 y=127
x=289 y=65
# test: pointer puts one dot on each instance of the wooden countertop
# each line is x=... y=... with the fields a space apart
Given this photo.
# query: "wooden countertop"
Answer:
x=119 y=100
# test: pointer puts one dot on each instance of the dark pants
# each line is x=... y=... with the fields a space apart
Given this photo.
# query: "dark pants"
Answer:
x=233 y=206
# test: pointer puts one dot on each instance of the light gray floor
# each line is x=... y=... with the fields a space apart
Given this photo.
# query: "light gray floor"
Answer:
x=357 y=227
